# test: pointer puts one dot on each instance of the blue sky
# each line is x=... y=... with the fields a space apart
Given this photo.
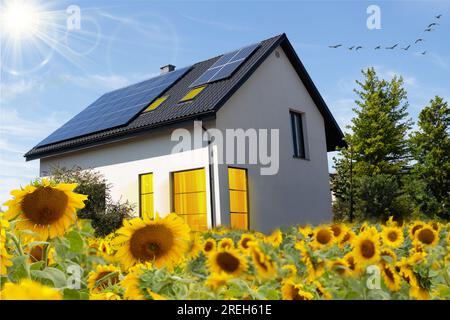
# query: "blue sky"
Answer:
x=121 y=42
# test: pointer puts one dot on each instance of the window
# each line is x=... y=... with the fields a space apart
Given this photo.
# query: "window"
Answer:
x=146 y=195
x=156 y=103
x=297 y=134
x=189 y=198
x=237 y=186
x=192 y=94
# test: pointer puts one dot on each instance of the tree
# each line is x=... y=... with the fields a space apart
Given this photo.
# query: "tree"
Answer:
x=380 y=127
x=369 y=170
x=430 y=148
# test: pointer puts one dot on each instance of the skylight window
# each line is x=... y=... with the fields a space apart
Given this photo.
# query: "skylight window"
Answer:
x=192 y=94
x=155 y=104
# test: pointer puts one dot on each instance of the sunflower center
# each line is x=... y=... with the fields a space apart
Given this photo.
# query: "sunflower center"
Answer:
x=296 y=294
x=45 y=205
x=389 y=274
x=426 y=236
x=323 y=236
x=227 y=262
x=392 y=236
x=415 y=228
x=339 y=268
x=336 y=230
x=245 y=243
x=208 y=246
x=260 y=262
x=346 y=237
x=151 y=242
x=367 y=249
x=37 y=253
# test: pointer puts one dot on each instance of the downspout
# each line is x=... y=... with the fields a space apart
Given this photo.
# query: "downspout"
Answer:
x=211 y=180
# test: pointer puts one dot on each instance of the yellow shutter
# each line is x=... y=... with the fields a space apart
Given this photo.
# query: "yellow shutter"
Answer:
x=237 y=185
x=189 y=197
x=146 y=195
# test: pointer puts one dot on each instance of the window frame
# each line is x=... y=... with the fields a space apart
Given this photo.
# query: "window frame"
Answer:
x=246 y=192
x=299 y=130
x=140 y=193
x=184 y=99
x=162 y=99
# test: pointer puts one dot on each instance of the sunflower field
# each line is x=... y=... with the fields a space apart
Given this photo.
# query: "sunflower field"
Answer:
x=47 y=253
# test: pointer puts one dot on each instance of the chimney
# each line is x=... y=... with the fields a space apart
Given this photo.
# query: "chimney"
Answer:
x=167 y=68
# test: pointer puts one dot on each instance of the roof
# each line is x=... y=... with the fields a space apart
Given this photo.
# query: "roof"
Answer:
x=213 y=97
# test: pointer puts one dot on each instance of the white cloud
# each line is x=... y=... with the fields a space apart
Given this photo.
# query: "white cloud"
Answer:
x=107 y=82
x=11 y=90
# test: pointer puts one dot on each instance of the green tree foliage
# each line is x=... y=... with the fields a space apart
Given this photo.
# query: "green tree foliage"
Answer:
x=369 y=170
x=106 y=215
x=430 y=147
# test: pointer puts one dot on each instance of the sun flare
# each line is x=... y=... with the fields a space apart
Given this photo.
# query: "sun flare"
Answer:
x=20 y=19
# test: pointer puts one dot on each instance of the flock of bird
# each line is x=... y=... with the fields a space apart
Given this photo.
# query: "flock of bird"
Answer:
x=431 y=27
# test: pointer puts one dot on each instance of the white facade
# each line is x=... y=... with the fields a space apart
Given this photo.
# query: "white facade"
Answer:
x=298 y=193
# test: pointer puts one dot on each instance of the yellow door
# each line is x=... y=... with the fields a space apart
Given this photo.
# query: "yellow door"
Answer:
x=189 y=198
x=237 y=186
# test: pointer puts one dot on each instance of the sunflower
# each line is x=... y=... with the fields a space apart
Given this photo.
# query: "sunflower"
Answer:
x=323 y=237
x=228 y=261
x=366 y=248
x=195 y=246
x=162 y=241
x=275 y=238
x=427 y=236
x=226 y=243
x=37 y=253
x=321 y=291
x=405 y=270
x=208 y=246
x=48 y=209
x=390 y=277
x=306 y=231
x=340 y=266
x=418 y=292
x=103 y=277
x=347 y=238
x=392 y=236
x=416 y=225
x=5 y=260
x=290 y=270
x=155 y=296
x=104 y=296
x=217 y=280
x=350 y=259
x=294 y=291
x=246 y=241
x=339 y=231
x=264 y=265
x=386 y=252
x=131 y=282
x=28 y=290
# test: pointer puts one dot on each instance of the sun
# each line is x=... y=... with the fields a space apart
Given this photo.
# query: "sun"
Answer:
x=20 y=19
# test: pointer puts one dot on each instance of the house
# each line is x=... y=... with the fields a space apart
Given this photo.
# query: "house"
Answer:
x=261 y=91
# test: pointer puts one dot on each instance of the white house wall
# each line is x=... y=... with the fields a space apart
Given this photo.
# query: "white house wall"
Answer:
x=121 y=163
x=300 y=192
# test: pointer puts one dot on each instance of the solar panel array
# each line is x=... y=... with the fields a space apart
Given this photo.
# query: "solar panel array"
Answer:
x=115 y=108
x=225 y=66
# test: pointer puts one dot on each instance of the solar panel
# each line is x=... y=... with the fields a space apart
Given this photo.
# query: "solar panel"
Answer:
x=225 y=66
x=115 y=108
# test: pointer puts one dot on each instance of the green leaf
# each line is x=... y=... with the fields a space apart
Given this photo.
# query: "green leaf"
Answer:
x=76 y=242
x=71 y=294
x=57 y=277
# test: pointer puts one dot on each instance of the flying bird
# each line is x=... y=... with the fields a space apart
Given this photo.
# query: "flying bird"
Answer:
x=418 y=40
x=377 y=47
x=393 y=47
x=428 y=30
x=351 y=48
x=335 y=46
x=406 y=48
x=433 y=24
x=423 y=53
x=358 y=47
x=438 y=16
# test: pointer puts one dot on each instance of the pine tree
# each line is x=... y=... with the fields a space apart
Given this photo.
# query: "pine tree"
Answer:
x=380 y=126
x=430 y=147
x=378 y=152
